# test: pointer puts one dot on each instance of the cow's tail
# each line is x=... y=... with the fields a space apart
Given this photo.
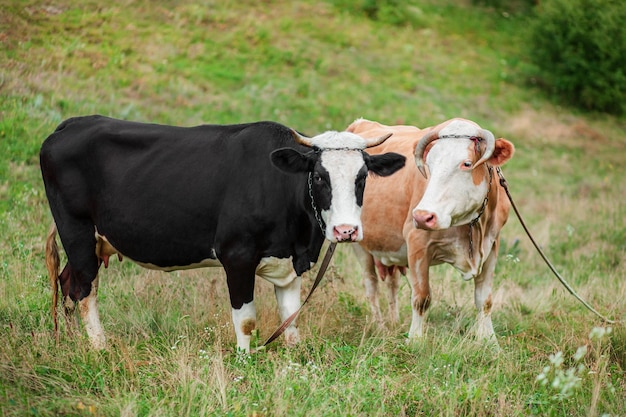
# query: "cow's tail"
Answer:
x=52 y=264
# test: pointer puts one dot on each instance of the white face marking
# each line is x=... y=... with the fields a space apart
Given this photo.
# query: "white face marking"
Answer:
x=343 y=167
x=451 y=193
x=334 y=140
x=460 y=127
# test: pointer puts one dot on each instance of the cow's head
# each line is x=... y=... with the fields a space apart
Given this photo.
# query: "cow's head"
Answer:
x=455 y=157
x=337 y=168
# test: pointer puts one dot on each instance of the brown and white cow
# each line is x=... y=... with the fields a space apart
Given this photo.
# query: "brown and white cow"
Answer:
x=448 y=207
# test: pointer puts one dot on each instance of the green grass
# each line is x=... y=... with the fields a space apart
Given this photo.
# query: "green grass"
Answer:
x=313 y=66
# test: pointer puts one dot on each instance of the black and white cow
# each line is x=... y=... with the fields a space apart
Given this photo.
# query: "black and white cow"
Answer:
x=246 y=197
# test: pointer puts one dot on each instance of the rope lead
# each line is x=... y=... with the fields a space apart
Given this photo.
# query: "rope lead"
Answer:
x=505 y=185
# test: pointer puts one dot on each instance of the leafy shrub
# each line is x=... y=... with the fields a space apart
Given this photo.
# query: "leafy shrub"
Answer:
x=579 y=49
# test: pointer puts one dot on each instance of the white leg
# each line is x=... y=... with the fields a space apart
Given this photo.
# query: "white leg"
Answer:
x=420 y=297
x=288 y=299
x=484 y=327
x=417 y=325
x=88 y=308
x=483 y=300
x=370 y=283
x=244 y=320
x=393 y=283
x=370 y=280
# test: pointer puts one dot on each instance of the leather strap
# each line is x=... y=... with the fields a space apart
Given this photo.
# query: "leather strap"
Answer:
x=318 y=279
x=505 y=185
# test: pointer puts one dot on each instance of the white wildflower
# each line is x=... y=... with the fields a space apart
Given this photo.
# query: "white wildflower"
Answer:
x=598 y=333
x=556 y=359
x=580 y=353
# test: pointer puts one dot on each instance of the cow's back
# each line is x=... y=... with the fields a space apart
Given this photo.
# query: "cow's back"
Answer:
x=388 y=201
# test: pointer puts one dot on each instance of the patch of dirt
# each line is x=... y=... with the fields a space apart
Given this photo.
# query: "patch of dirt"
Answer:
x=554 y=128
x=20 y=25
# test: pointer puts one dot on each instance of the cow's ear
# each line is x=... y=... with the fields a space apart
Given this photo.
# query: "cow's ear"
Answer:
x=385 y=164
x=291 y=161
x=503 y=152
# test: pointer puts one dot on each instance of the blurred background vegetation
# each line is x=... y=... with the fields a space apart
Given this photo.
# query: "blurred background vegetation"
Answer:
x=575 y=49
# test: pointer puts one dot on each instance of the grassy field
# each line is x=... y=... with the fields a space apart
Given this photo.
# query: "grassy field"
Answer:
x=313 y=66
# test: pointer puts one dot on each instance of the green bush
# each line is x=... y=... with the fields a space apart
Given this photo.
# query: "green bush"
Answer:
x=579 y=49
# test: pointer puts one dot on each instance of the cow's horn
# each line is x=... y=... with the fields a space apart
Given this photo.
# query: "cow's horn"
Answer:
x=421 y=147
x=377 y=141
x=302 y=140
x=491 y=145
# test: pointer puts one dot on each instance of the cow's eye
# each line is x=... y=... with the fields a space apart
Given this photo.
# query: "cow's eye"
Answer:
x=466 y=164
x=317 y=178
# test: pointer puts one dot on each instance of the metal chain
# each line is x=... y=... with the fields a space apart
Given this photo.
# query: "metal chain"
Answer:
x=480 y=213
x=315 y=211
x=459 y=137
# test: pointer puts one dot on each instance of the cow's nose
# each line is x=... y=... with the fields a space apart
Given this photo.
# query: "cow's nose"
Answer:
x=425 y=219
x=345 y=232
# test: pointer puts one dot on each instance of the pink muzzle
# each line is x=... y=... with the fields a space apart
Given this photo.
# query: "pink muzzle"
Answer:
x=346 y=233
x=423 y=219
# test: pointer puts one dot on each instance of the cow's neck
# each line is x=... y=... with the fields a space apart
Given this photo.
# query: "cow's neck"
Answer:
x=309 y=234
x=482 y=234
x=481 y=210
